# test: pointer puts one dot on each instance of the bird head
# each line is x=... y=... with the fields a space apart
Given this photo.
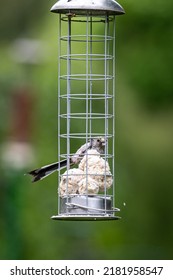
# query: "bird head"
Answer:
x=98 y=143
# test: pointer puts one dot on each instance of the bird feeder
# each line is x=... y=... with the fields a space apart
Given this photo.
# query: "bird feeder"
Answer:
x=86 y=107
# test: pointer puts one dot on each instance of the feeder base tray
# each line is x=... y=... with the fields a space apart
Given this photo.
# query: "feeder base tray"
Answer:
x=89 y=208
x=84 y=218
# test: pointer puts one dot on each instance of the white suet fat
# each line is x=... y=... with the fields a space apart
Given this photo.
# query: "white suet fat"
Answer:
x=69 y=183
x=92 y=176
x=97 y=168
x=88 y=186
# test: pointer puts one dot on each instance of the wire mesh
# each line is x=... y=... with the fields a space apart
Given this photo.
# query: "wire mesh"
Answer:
x=86 y=110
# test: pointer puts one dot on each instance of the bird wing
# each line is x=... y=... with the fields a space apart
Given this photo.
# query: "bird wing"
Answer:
x=76 y=158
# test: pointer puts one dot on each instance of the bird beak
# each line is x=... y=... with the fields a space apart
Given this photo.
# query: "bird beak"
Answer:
x=103 y=141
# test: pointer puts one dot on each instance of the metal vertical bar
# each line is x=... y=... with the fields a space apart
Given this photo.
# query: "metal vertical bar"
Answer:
x=106 y=97
x=107 y=61
x=91 y=84
x=87 y=92
x=106 y=77
x=68 y=88
x=59 y=102
x=68 y=96
x=87 y=74
x=113 y=95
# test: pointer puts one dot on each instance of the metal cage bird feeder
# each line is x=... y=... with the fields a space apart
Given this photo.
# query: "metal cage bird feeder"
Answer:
x=86 y=107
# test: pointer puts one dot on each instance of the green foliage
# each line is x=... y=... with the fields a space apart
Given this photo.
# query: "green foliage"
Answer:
x=18 y=16
x=147 y=40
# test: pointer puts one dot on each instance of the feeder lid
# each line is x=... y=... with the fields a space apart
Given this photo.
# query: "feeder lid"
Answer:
x=95 y=7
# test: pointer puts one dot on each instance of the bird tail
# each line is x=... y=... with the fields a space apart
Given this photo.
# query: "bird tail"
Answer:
x=40 y=173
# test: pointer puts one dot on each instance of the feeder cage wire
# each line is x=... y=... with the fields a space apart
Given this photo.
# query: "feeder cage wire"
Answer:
x=86 y=107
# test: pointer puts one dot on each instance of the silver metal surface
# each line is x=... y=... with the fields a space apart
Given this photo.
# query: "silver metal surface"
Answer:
x=85 y=205
x=84 y=218
x=94 y=7
x=95 y=209
x=82 y=207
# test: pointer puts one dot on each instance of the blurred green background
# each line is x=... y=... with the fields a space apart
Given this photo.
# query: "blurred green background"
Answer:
x=144 y=139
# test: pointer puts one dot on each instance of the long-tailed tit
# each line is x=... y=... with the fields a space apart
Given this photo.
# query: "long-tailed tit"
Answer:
x=95 y=143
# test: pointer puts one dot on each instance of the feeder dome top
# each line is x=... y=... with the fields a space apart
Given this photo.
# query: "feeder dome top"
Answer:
x=94 y=7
